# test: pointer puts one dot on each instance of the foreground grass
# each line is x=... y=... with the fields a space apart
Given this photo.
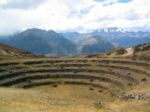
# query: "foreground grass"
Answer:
x=65 y=98
x=18 y=100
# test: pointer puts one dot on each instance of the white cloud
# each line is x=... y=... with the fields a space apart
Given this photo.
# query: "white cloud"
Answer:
x=77 y=15
x=22 y=4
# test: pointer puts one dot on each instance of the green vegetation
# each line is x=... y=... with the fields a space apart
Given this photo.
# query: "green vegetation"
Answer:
x=121 y=51
x=143 y=47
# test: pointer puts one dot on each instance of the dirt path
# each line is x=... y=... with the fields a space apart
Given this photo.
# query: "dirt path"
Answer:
x=130 y=52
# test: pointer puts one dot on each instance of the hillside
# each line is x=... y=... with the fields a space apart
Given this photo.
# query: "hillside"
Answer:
x=76 y=84
x=94 y=44
x=141 y=51
x=41 y=42
x=8 y=52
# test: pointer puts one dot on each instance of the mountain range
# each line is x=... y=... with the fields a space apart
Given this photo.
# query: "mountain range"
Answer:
x=117 y=36
x=52 y=43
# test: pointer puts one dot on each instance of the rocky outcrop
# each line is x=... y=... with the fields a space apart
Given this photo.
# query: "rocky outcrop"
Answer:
x=135 y=96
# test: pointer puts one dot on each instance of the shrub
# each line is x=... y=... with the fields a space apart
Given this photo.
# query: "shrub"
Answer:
x=100 y=91
x=129 y=73
x=144 y=79
x=91 y=80
x=55 y=85
x=29 y=81
x=27 y=52
x=109 y=53
x=98 y=105
x=140 y=48
x=91 y=89
x=121 y=51
x=130 y=84
x=61 y=67
x=75 y=71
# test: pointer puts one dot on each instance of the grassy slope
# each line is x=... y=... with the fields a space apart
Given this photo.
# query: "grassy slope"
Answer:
x=8 y=53
x=140 y=51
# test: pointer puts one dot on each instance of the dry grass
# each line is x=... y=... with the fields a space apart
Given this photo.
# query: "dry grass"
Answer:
x=48 y=99
x=66 y=98
x=75 y=98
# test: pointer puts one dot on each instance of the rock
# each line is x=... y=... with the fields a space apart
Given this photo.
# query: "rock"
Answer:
x=137 y=96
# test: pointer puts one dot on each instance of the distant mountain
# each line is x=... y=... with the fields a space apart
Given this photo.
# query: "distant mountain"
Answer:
x=93 y=44
x=72 y=36
x=88 y=43
x=123 y=38
x=49 y=42
x=42 y=42
x=119 y=37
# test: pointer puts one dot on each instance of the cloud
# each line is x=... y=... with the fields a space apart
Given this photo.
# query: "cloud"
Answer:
x=20 y=4
x=73 y=15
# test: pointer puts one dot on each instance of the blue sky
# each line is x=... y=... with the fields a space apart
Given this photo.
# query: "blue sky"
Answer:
x=121 y=1
x=124 y=1
x=73 y=15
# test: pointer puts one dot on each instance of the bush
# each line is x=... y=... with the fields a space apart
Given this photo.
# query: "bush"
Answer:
x=98 y=105
x=55 y=85
x=91 y=80
x=144 y=79
x=142 y=48
x=29 y=81
x=121 y=51
x=100 y=91
x=129 y=73
x=61 y=67
x=91 y=89
x=27 y=52
x=130 y=84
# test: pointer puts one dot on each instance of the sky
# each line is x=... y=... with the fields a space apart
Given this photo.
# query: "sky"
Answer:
x=73 y=15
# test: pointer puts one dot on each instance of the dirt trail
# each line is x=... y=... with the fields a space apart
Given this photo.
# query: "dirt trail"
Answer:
x=130 y=52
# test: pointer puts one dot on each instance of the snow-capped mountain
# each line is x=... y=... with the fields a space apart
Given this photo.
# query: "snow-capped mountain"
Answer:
x=118 y=36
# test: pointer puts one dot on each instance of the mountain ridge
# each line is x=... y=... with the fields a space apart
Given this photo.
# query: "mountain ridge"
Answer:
x=41 y=42
x=119 y=37
x=52 y=43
